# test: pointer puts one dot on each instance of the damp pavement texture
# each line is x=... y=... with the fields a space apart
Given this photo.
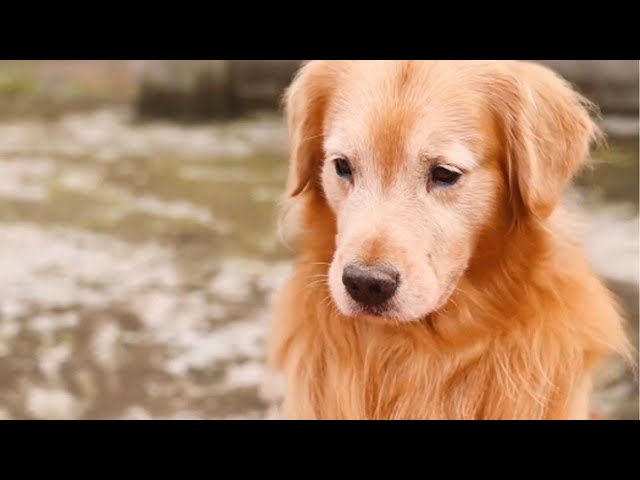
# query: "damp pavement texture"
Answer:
x=138 y=262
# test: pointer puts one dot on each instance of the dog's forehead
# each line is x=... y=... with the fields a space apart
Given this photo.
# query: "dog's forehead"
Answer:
x=388 y=116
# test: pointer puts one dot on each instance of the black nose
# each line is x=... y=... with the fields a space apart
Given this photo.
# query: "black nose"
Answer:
x=370 y=285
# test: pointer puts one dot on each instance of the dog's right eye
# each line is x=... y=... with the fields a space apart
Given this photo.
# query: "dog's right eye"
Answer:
x=343 y=168
x=444 y=176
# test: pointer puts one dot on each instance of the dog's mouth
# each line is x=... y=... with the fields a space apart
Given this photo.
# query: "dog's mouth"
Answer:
x=375 y=292
x=381 y=311
x=390 y=311
x=386 y=312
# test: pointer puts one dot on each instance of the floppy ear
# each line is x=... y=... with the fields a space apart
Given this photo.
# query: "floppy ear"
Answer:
x=305 y=102
x=548 y=133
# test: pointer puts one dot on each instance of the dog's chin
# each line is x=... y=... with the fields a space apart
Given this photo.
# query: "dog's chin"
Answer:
x=386 y=313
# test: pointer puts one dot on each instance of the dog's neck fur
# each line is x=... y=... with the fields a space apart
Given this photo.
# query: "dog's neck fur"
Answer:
x=512 y=341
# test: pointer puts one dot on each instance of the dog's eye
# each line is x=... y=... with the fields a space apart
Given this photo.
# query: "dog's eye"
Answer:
x=343 y=168
x=444 y=176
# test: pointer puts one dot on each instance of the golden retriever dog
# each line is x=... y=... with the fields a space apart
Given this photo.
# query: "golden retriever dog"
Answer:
x=437 y=275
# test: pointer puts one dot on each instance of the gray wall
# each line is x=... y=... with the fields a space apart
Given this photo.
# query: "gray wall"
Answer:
x=613 y=84
x=215 y=88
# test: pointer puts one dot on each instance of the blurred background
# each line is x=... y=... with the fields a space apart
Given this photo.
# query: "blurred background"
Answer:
x=138 y=244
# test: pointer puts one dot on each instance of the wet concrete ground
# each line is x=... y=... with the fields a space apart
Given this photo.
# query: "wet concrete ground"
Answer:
x=137 y=263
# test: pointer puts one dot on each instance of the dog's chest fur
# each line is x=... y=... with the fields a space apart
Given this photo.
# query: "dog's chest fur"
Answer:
x=363 y=374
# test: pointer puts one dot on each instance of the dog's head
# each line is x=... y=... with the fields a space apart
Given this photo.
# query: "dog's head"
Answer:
x=421 y=162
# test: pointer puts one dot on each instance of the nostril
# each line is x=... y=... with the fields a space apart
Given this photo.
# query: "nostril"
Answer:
x=349 y=281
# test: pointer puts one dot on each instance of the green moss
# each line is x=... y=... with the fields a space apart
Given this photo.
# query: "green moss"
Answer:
x=17 y=80
x=232 y=201
x=614 y=174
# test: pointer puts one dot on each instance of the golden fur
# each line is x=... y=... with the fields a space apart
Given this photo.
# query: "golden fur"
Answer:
x=502 y=316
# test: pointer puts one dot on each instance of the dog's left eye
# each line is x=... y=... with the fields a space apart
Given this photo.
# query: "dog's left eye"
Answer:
x=444 y=176
x=343 y=168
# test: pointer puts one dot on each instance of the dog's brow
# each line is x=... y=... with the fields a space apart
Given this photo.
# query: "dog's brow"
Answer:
x=335 y=146
x=459 y=155
x=334 y=153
